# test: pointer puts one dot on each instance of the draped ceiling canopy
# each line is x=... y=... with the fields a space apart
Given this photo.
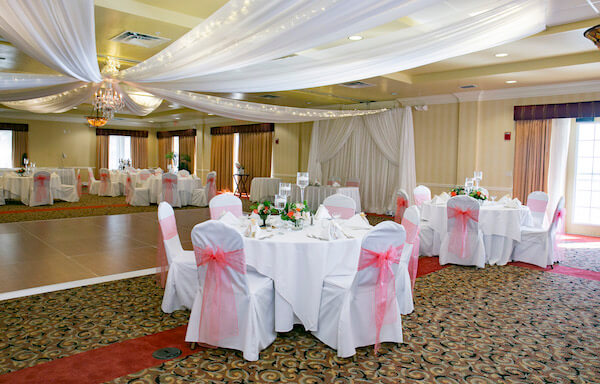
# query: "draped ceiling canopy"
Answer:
x=251 y=46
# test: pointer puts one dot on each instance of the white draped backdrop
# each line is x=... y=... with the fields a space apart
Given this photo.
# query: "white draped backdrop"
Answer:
x=557 y=167
x=378 y=149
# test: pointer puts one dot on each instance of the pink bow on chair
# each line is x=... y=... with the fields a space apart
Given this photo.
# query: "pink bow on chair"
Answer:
x=458 y=236
x=218 y=319
x=79 y=185
x=104 y=183
x=168 y=192
x=41 y=187
x=385 y=289
x=412 y=237
x=401 y=205
x=167 y=231
x=128 y=190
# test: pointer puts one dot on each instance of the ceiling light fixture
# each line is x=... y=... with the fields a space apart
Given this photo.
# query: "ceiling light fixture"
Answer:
x=96 y=120
x=593 y=34
x=501 y=54
x=511 y=81
x=355 y=37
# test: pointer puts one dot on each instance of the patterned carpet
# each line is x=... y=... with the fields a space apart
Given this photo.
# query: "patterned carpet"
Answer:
x=494 y=325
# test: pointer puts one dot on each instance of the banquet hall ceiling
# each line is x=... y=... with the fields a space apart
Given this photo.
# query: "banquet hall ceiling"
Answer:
x=559 y=54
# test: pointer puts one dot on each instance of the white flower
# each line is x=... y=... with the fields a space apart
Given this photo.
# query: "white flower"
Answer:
x=300 y=205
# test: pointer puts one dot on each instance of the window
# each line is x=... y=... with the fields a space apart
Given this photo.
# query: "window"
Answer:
x=587 y=174
x=6 y=149
x=119 y=148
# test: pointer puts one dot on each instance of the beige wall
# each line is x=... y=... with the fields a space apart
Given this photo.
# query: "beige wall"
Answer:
x=290 y=155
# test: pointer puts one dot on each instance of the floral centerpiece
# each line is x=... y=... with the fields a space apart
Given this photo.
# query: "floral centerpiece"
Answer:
x=478 y=195
x=263 y=210
x=294 y=212
x=457 y=190
x=21 y=171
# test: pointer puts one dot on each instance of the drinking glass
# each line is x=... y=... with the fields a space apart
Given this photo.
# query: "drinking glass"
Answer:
x=285 y=190
x=280 y=201
x=302 y=182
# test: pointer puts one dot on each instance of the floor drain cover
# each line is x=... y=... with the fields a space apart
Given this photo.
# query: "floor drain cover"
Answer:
x=166 y=353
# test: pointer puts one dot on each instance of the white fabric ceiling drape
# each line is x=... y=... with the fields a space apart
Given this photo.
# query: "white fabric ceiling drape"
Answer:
x=392 y=52
x=557 y=167
x=138 y=102
x=378 y=149
x=34 y=93
x=29 y=80
x=58 y=103
x=57 y=33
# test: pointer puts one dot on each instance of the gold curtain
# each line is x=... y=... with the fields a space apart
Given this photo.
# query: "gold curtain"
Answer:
x=19 y=147
x=532 y=156
x=187 y=146
x=165 y=145
x=139 y=152
x=256 y=151
x=221 y=160
x=101 y=153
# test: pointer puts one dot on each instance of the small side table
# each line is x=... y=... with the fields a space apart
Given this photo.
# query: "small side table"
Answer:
x=241 y=181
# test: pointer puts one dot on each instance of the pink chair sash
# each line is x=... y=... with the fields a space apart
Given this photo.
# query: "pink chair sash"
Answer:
x=536 y=205
x=343 y=212
x=104 y=185
x=218 y=318
x=128 y=190
x=412 y=237
x=211 y=189
x=41 y=187
x=168 y=230
x=385 y=288
x=401 y=205
x=168 y=186
x=143 y=176
x=79 y=184
x=458 y=236
x=559 y=235
x=352 y=184
x=216 y=212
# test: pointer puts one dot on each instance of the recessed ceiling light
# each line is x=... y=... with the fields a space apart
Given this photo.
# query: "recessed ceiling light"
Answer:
x=355 y=37
x=211 y=114
x=511 y=81
x=173 y=105
x=309 y=102
x=151 y=121
x=501 y=54
x=74 y=107
x=177 y=118
x=394 y=93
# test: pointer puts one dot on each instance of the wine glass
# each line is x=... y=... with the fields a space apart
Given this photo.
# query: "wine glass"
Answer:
x=285 y=190
x=302 y=182
x=280 y=201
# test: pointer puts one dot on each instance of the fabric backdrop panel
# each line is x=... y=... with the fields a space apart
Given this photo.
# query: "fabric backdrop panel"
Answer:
x=19 y=146
x=532 y=157
x=221 y=161
x=557 y=165
x=256 y=152
x=139 y=152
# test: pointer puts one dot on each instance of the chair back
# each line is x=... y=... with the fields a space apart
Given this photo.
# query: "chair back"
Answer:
x=169 y=189
x=41 y=188
x=183 y=173
x=168 y=230
x=129 y=188
x=90 y=177
x=410 y=222
x=79 y=184
x=402 y=203
x=334 y=179
x=557 y=230
x=383 y=236
x=143 y=176
x=104 y=181
x=421 y=195
x=353 y=182
x=211 y=185
x=225 y=202
x=463 y=219
x=341 y=205
x=158 y=171
x=537 y=202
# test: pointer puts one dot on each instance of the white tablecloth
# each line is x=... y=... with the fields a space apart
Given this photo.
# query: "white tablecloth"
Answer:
x=263 y=187
x=67 y=175
x=298 y=265
x=314 y=196
x=185 y=186
x=18 y=187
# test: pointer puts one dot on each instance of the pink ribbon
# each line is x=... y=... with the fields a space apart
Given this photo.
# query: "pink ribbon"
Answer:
x=343 y=212
x=352 y=184
x=128 y=190
x=536 y=205
x=216 y=212
x=385 y=288
x=168 y=230
x=211 y=189
x=401 y=205
x=104 y=183
x=168 y=186
x=412 y=237
x=79 y=185
x=218 y=318
x=458 y=236
x=41 y=187
x=559 y=235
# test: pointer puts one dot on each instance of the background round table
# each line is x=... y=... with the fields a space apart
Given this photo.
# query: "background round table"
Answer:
x=18 y=187
x=263 y=188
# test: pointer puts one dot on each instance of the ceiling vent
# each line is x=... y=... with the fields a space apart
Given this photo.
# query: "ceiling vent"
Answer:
x=269 y=96
x=468 y=86
x=357 y=84
x=139 y=39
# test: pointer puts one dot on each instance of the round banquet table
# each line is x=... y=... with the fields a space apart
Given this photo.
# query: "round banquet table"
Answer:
x=298 y=266
x=501 y=226
x=314 y=195
x=185 y=187
x=262 y=188
x=18 y=187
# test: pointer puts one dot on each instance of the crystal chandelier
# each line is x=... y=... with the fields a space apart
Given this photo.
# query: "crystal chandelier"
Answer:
x=107 y=101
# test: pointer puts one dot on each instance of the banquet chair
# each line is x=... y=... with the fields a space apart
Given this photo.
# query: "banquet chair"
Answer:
x=334 y=179
x=40 y=192
x=347 y=315
x=183 y=173
x=170 y=192
x=537 y=202
x=539 y=246
x=341 y=205
x=429 y=240
x=79 y=184
x=70 y=193
x=225 y=202
x=107 y=186
x=463 y=241
x=179 y=266
x=2 y=202
x=158 y=171
x=136 y=196
x=409 y=261
x=234 y=304
x=201 y=196
x=353 y=182
x=402 y=202
x=143 y=178
x=93 y=184
x=421 y=194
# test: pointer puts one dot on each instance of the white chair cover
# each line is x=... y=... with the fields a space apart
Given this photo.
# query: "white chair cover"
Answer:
x=93 y=184
x=429 y=240
x=69 y=192
x=347 y=317
x=402 y=203
x=353 y=182
x=539 y=246
x=170 y=192
x=40 y=192
x=537 y=202
x=183 y=173
x=201 y=196
x=463 y=242
x=421 y=194
x=225 y=202
x=107 y=186
x=79 y=184
x=334 y=179
x=341 y=205
x=240 y=313
x=409 y=261
x=143 y=178
x=181 y=283
x=137 y=197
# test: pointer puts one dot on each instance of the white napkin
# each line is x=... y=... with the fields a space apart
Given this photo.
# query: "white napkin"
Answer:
x=358 y=221
x=230 y=219
x=514 y=203
x=504 y=199
x=335 y=184
x=322 y=213
x=444 y=197
x=330 y=230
